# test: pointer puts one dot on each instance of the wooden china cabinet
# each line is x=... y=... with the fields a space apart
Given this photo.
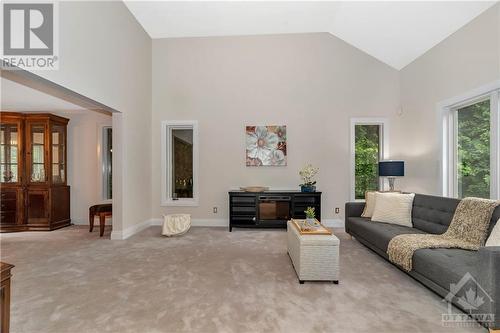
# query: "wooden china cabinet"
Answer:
x=34 y=192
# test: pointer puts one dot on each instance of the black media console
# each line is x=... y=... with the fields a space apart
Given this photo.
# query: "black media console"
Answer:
x=270 y=209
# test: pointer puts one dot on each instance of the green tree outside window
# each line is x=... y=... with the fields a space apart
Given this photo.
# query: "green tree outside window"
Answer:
x=473 y=150
x=367 y=151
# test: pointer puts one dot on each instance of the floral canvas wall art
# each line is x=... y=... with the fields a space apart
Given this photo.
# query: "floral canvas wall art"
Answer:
x=266 y=145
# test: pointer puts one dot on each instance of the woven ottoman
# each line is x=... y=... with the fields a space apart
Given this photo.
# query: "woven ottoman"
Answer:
x=314 y=257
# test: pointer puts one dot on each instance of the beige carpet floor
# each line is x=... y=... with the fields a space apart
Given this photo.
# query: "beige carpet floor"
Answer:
x=208 y=280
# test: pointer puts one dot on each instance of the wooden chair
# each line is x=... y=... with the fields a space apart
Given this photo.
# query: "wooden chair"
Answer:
x=102 y=211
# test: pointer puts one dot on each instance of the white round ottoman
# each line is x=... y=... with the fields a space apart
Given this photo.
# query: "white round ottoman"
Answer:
x=176 y=224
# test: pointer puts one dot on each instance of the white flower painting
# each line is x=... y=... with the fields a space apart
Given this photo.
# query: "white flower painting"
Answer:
x=266 y=145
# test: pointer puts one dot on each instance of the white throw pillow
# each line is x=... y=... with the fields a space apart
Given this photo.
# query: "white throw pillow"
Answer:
x=394 y=208
x=369 y=204
x=494 y=239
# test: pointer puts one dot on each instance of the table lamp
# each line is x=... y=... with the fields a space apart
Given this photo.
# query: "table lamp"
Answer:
x=391 y=170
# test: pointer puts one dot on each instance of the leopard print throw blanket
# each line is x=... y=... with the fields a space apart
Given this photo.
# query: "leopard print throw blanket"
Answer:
x=467 y=231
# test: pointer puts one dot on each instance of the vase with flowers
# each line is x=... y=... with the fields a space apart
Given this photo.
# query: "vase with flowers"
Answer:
x=310 y=216
x=307 y=174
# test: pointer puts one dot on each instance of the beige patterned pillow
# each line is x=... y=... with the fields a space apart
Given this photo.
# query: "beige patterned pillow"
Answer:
x=369 y=204
x=394 y=208
x=494 y=238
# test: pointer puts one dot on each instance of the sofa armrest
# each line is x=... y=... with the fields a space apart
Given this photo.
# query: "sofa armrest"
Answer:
x=489 y=279
x=353 y=209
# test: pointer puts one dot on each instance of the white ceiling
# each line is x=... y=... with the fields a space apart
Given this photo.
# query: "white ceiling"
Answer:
x=395 y=32
x=18 y=97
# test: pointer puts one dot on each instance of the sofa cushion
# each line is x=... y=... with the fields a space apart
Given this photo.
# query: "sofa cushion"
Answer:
x=394 y=208
x=494 y=237
x=377 y=233
x=494 y=219
x=369 y=204
x=445 y=266
x=433 y=214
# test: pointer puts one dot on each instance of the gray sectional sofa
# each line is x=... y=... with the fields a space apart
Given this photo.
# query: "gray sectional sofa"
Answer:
x=436 y=268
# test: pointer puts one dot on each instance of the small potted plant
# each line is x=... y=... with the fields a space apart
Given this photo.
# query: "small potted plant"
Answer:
x=310 y=216
x=307 y=174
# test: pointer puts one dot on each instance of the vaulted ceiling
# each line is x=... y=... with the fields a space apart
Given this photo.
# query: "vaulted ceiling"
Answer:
x=395 y=32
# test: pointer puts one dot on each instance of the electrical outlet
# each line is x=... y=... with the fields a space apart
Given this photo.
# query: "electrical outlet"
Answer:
x=215 y=210
x=337 y=210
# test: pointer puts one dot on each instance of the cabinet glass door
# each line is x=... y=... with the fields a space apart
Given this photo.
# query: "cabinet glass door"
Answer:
x=58 y=155
x=9 y=153
x=37 y=135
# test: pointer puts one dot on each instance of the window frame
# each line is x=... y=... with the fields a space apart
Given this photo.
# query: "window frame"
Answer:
x=449 y=119
x=383 y=153
x=102 y=163
x=166 y=163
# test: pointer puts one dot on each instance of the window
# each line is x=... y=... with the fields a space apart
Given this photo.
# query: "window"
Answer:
x=473 y=150
x=471 y=147
x=179 y=163
x=107 y=162
x=368 y=146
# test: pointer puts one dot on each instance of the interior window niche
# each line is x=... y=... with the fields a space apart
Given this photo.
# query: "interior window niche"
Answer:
x=179 y=163
x=107 y=162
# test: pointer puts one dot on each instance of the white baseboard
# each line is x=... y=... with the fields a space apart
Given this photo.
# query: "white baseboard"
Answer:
x=156 y=221
x=130 y=231
x=333 y=223
x=210 y=222
x=199 y=222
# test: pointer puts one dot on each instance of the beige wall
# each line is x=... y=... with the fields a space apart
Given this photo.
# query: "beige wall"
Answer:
x=313 y=83
x=466 y=60
x=83 y=163
x=106 y=55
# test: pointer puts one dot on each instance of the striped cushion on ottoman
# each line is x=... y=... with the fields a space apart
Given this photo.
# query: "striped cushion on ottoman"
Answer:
x=314 y=257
